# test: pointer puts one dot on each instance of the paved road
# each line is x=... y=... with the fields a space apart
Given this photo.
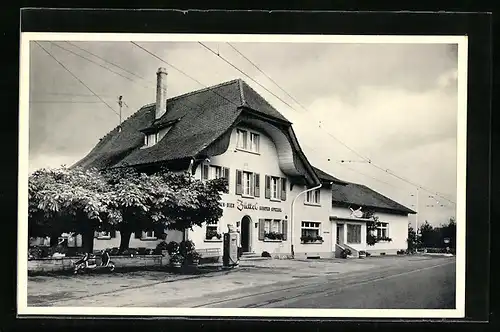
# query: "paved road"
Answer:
x=429 y=284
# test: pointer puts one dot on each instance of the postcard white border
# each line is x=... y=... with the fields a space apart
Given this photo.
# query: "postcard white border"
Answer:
x=23 y=308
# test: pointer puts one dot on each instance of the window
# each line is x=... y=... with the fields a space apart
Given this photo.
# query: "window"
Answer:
x=212 y=231
x=353 y=233
x=313 y=197
x=104 y=235
x=272 y=230
x=383 y=230
x=247 y=183
x=242 y=139
x=148 y=235
x=216 y=172
x=275 y=188
x=150 y=139
x=310 y=231
x=254 y=142
x=248 y=141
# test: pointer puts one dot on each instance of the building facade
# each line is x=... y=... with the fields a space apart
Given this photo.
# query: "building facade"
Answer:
x=276 y=200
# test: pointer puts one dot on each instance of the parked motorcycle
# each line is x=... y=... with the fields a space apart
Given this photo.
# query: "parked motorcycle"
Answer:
x=88 y=263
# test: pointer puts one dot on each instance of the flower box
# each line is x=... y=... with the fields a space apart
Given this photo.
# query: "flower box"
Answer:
x=311 y=239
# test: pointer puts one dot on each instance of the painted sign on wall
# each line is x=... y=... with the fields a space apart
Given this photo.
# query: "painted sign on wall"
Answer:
x=241 y=205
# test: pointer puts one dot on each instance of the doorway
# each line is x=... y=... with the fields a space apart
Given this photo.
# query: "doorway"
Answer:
x=246 y=223
x=340 y=234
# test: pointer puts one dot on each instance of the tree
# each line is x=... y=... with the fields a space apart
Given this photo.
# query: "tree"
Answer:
x=372 y=224
x=427 y=235
x=67 y=200
x=83 y=201
x=161 y=200
x=412 y=240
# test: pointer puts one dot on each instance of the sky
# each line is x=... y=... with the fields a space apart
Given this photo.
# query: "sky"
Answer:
x=394 y=104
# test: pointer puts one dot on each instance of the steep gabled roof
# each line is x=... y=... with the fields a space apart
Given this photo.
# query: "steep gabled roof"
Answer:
x=360 y=195
x=196 y=119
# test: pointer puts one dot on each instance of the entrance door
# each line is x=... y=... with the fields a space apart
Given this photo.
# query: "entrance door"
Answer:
x=340 y=234
x=245 y=233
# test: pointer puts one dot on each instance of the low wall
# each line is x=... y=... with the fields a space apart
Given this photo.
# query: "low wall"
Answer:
x=66 y=263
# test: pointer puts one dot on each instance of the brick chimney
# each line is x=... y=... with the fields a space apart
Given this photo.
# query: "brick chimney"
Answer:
x=161 y=92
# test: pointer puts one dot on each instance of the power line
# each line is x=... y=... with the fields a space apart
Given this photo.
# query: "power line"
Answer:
x=352 y=150
x=182 y=72
x=107 y=61
x=70 y=94
x=111 y=63
x=291 y=107
x=94 y=62
x=76 y=77
x=63 y=102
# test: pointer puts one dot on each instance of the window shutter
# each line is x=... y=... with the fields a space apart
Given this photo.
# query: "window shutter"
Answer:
x=256 y=183
x=226 y=176
x=261 y=229
x=285 y=229
x=239 y=186
x=268 y=187
x=283 y=189
x=112 y=234
x=204 y=172
x=257 y=143
x=252 y=181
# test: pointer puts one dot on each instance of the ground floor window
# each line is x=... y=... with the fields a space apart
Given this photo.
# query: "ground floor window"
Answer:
x=212 y=231
x=104 y=235
x=273 y=229
x=353 y=233
x=311 y=232
x=383 y=230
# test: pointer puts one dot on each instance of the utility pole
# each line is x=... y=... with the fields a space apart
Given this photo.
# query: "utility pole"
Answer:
x=416 y=210
x=120 y=104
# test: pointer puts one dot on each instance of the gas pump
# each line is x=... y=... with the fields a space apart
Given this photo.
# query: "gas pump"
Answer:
x=230 y=249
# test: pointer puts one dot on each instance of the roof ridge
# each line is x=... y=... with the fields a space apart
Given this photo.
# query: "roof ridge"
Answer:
x=204 y=89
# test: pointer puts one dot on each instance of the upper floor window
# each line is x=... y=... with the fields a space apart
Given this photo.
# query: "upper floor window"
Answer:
x=248 y=141
x=211 y=172
x=313 y=197
x=247 y=183
x=275 y=188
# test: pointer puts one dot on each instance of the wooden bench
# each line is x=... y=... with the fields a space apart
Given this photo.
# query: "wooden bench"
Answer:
x=210 y=253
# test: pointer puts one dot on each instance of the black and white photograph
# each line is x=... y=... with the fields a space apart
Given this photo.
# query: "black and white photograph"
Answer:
x=245 y=175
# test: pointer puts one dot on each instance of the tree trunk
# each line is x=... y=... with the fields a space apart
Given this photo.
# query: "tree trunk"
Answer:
x=54 y=239
x=124 y=239
x=88 y=241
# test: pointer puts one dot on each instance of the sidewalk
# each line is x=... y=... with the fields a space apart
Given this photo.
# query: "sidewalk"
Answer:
x=148 y=289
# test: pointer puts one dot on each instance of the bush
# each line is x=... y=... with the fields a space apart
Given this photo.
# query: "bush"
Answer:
x=401 y=252
x=265 y=254
x=172 y=247
x=186 y=247
x=130 y=252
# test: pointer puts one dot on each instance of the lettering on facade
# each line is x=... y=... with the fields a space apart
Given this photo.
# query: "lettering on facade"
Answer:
x=241 y=205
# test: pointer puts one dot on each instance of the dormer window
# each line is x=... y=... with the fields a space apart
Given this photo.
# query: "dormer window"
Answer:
x=150 y=139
